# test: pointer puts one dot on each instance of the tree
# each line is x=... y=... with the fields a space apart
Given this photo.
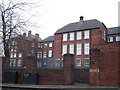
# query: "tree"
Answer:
x=12 y=23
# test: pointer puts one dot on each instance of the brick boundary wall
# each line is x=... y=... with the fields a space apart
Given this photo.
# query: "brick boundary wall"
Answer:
x=105 y=65
x=46 y=76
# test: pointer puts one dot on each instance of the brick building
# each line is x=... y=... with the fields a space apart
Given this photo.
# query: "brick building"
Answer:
x=91 y=42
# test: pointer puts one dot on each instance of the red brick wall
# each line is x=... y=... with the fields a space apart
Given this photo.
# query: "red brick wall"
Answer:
x=107 y=63
x=57 y=46
x=46 y=76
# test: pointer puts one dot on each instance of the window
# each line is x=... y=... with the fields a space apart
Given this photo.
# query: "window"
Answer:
x=57 y=62
x=11 y=55
x=117 y=38
x=79 y=35
x=50 y=44
x=12 y=50
x=65 y=37
x=12 y=62
x=86 y=34
x=14 y=43
x=86 y=48
x=19 y=63
x=44 y=64
x=64 y=49
x=86 y=62
x=50 y=53
x=44 y=55
x=104 y=35
x=20 y=55
x=110 y=39
x=72 y=36
x=78 y=62
x=39 y=55
x=15 y=50
x=71 y=50
x=14 y=55
x=45 y=45
x=79 y=49
x=39 y=64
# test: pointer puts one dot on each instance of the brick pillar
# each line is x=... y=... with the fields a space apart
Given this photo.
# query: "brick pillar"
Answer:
x=94 y=67
x=68 y=68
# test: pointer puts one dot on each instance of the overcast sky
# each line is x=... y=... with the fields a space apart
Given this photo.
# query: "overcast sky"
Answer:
x=54 y=14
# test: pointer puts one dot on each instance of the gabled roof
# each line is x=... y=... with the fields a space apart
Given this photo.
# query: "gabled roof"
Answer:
x=88 y=24
x=48 y=39
x=113 y=30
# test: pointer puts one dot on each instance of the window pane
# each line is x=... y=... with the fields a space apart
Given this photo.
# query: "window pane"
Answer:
x=71 y=49
x=86 y=62
x=11 y=55
x=15 y=55
x=86 y=34
x=79 y=35
x=72 y=36
x=64 y=49
x=45 y=45
x=57 y=62
x=110 y=39
x=45 y=55
x=78 y=62
x=117 y=38
x=20 y=55
x=39 y=64
x=86 y=48
x=79 y=49
x=19 y=63
x=65 y=37
x=39 y=54
x=50 y=53
x=50 y=44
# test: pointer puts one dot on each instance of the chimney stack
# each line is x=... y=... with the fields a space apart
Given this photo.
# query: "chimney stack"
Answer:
x=81 y=19
x=29 y=33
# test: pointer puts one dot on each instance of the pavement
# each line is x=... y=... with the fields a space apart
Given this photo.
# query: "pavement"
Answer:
x=76 y=86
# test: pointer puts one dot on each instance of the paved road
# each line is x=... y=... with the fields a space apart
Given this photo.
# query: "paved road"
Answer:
x=56 y=87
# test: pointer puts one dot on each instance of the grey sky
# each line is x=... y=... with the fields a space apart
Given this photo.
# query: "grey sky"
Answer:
x=54 y=14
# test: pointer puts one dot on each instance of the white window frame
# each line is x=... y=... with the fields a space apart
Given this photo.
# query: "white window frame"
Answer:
x=79 y=49
x=19 y=63
x=39 y=64
x=71 y=36
x=110 y=39
x=71 y=48
x=86 y=64
x=86 y=34
x=45 y=55
x=14 y=55
x=117 y=38
x=20 y=55
x=45 y=45
x=86 y=48
x=65 y=36
x=79 y=35
x=80 y=62
x=57 y=62
x=64 y=49
x=50 y=44
x=50 y=53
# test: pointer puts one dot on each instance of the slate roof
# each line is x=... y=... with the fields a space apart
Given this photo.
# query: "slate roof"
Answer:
x=48 y=39
x=113 y=30
x=88 y=24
